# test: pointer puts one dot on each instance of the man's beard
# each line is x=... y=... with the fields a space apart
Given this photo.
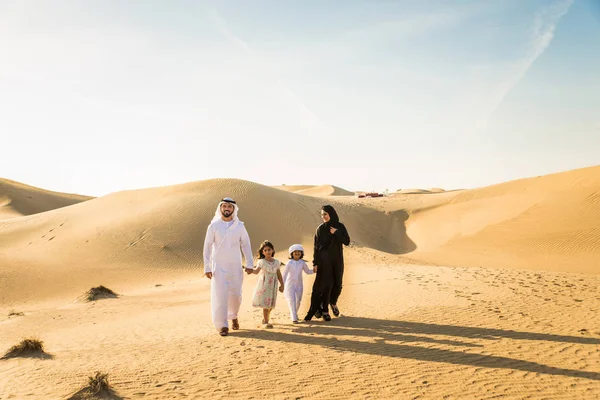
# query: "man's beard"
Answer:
x=226 y=213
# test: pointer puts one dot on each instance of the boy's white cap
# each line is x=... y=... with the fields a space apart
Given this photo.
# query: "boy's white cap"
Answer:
x=296 y=247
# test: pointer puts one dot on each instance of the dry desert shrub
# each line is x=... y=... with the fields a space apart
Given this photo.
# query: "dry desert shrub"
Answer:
x=99 y=292
x=27 y=348
x=98 y=383
x=98 y=387
x=13 y=313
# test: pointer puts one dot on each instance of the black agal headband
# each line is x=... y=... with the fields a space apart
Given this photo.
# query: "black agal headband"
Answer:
x=228 y=200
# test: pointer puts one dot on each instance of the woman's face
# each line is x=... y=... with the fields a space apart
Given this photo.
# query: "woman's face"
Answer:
x=267 y=252
x=325 y=216
x=296 y=254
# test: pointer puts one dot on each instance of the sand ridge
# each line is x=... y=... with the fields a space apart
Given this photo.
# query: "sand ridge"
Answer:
x=18 y=199
x=546 y=223
x=316 y=190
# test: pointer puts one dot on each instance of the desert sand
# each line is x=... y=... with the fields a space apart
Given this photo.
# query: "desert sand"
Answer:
x=466 y=294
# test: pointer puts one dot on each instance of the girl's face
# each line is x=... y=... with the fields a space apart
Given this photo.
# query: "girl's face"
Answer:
x=325 y=216
x=296 y=254
x=267 y=252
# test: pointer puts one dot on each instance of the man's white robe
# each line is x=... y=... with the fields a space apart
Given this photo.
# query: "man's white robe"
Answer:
x=223 y=246
x=293 y=286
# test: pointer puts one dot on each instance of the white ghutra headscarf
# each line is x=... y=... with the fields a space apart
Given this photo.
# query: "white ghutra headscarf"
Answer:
x=218 y=214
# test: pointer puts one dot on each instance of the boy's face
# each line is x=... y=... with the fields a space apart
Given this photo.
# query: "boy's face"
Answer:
x=296 y=254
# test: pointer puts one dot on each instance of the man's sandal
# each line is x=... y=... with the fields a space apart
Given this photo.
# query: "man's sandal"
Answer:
x=224 y=331
x=235 y=324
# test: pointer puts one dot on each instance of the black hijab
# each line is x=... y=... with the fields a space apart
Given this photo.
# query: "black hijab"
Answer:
x=324 y=237
x=334 y=220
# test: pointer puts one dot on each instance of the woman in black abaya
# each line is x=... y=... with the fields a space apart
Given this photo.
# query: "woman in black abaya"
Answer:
x=328 y=257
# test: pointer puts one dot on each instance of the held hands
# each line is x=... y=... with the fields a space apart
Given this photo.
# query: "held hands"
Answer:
x=332 y=230
x=208 y=275
x=315 y=269
x=249 y=271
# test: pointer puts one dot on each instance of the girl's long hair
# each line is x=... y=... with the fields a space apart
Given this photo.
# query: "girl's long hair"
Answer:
x=264 y=244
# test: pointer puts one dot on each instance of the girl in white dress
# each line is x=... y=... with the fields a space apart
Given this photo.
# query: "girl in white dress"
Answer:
x=268 y=268
x=292 y=279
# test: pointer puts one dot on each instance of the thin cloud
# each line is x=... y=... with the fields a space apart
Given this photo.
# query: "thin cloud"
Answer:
x=542 y=34
x=221 y=26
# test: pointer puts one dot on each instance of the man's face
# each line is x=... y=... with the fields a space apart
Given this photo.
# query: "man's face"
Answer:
x=227 y=210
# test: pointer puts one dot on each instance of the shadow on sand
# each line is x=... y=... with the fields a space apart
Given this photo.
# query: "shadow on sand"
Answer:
x=86 y=394
x=385 y=331
x=391 y=326
x=40 y=355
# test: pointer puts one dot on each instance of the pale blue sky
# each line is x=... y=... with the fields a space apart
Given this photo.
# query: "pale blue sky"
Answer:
x=101 y=96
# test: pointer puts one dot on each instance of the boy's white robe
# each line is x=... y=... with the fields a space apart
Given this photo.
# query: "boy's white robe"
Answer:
x=222 y=257
x=293 y=286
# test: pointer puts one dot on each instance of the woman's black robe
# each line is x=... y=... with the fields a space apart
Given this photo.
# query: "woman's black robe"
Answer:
x=328 y=256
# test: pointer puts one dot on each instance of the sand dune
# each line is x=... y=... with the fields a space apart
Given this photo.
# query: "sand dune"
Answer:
x=159 y=230
x=413 y=191
x=446 y=295
x=326 y=190
x=419 y=191
x=546 y=223
x=17 y=199
x=436 y=190
x=294 y=188
x=316 y=190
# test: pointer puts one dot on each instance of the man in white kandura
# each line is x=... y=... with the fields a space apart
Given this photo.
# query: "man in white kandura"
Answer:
x=225 y=236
